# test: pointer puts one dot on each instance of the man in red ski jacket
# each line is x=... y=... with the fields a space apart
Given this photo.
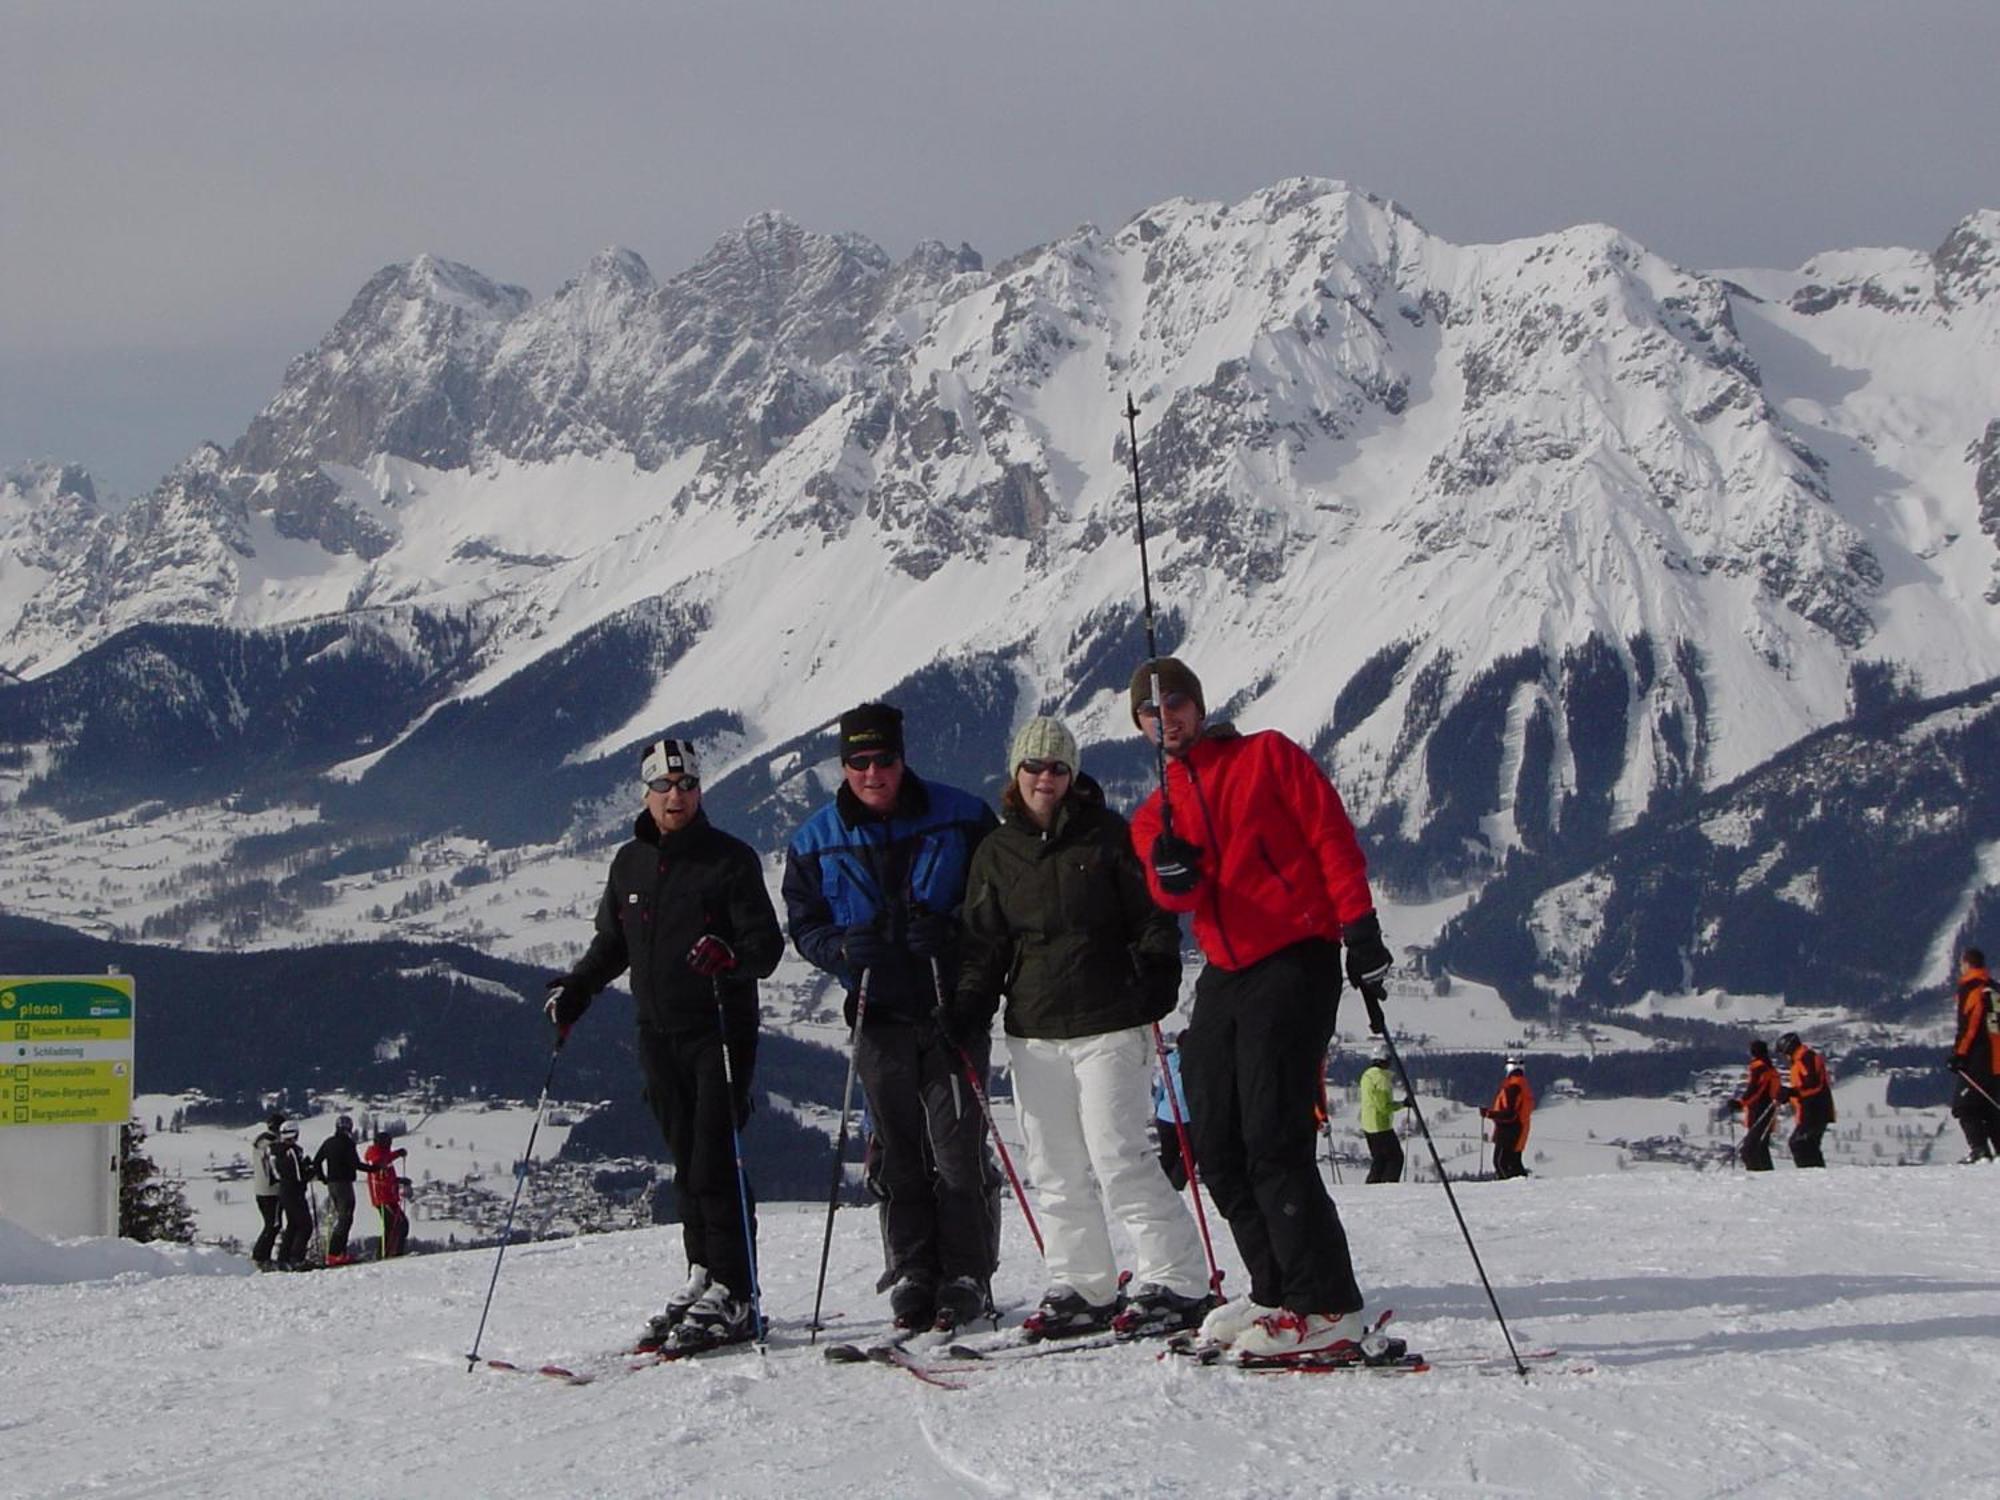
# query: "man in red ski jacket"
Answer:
x=1759 y=1103
x=1975 y=1059
x=1811 y=1094
x=1511 y=1112
x=385 y=1191
x=1260 y=851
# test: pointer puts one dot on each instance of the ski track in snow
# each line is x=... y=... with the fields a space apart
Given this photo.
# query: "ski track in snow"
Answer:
x=1801 y=1333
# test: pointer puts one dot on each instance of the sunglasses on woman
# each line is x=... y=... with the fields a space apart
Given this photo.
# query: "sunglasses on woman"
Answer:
x=880 y=760
x=1053 y=767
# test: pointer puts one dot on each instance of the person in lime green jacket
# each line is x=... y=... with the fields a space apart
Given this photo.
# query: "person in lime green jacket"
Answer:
x=1378 y=1119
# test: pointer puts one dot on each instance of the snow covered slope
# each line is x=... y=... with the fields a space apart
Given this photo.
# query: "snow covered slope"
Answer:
x=1815 y=1333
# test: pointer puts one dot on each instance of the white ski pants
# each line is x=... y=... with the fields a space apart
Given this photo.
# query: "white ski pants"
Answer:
x=1087 y=1112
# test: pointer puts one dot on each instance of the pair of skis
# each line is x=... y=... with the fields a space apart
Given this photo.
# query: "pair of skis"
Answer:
x=624 y=1362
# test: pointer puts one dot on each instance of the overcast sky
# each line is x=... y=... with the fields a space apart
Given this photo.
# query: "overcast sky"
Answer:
x=191 y=192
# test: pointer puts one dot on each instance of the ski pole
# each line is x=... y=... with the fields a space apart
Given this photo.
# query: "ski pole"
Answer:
x=839 y=1147
x=1373 y=995
x=1146 y=597
x=1187 y=1153
x=742 y=1177
x=986 y=1108
x=1966 y=1079
x=1325 y=1112
x=520 y=1181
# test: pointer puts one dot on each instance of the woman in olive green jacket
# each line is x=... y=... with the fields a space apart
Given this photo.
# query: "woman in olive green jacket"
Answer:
x=1059 y=923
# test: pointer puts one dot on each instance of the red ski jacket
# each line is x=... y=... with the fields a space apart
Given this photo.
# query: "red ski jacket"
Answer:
x=1514 y=1105
x=1760 y=1095
x=1808 y=1079
x=384 y=1190
x=1279 y=860
x=1977 y=1048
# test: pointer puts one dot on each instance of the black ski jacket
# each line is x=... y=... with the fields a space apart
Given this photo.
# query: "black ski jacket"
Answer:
x=1060 y=922
x=664 y=893
x=338 y=1159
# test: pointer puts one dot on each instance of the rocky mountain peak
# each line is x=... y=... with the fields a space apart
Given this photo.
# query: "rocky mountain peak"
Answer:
x=1968 y=262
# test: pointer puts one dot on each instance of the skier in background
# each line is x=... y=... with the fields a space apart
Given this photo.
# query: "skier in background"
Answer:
x=1057 y=922
x=385 y=1192
x=1378 y=1119
x=873 y=882
x=1759 y=1104
x=338 y=1165
x=265 y=1187
x=1975 y=1059
x=685 y=909
x=292 y=1171
x=1810 y=1091
x=1512 y=1109
x=1261 y=853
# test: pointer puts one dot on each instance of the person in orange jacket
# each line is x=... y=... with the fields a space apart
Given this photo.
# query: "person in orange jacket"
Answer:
x=1513 y=1107
x=1975 y=1059
x=1759 y=1103
x=1810 y=1091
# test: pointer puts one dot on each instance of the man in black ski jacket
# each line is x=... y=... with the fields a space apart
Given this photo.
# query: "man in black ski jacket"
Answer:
x=338 y=1163
x=292 y=1171
x=686 y=911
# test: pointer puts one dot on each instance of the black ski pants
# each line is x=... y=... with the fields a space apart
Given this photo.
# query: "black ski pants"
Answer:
x=1507 y=1151
x=1167 y=1135
x=1756 y=1148
x=940 y=1217
x=1250 y=1061
x=267 y=1205
x=699 y=1116
x=1977 y=1116
x=395 y=1228
x=340 y=1217
x=1805 y=1143
x=298 y=1224
x=1385 y=1156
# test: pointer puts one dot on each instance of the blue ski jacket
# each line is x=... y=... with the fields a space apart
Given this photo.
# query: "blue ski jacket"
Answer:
x=850 y=867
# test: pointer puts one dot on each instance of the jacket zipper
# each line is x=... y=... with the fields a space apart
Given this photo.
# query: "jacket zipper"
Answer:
x=1208 y=821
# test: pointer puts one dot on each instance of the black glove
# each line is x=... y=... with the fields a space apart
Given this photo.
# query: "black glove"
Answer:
x=961 y=1025
x=932 y=934
x=1176 y=864
x=567 y=1001
x=1951 y=1064
x=711 y=956
x=1367 y=956
x=864 y=947
x=1159 y=977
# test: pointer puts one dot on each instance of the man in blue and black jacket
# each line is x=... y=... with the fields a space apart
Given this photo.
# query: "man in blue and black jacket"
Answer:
x=873 y=883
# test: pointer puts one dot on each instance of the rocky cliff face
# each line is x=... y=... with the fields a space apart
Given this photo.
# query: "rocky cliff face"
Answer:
x=1529 y=541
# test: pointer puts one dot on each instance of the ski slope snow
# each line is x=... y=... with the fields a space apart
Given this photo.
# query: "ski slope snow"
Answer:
x=1826 y=1333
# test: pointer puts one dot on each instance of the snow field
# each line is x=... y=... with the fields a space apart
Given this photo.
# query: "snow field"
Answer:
x=1816 y=1333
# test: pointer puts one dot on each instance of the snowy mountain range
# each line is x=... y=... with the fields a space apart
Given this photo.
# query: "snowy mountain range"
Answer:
x=1536 y=544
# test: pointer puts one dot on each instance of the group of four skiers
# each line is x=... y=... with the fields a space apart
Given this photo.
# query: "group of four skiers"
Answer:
x=280 y=1172
x=934 y=915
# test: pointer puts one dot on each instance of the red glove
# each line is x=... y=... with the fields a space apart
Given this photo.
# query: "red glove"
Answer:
x=711 y=956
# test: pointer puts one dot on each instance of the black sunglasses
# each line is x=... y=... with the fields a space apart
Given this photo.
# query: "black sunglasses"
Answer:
x=1053 y=767
x=674 y=784
x=880 y=760
x=1174 y=701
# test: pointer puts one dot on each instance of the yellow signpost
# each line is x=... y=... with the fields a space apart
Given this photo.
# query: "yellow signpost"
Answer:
x=65 y=1049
